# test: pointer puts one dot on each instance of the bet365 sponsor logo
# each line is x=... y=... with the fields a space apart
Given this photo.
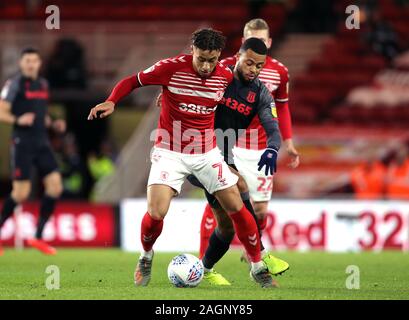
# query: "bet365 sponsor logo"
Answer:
x=235 y=105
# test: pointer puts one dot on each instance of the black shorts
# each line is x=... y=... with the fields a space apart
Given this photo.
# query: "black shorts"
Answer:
x=29 y=153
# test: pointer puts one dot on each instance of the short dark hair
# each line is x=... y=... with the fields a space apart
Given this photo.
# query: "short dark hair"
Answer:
x=29 y=50
x=208 y=39
x=254 y=44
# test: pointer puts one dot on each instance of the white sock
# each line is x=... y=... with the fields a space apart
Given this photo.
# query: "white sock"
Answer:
x=207 y=270
x=147 y=254
x=255 y=266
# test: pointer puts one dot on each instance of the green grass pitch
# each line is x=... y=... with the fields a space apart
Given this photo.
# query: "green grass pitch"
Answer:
x=108 y=274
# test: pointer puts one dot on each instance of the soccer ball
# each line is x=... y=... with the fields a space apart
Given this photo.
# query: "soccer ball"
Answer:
x=185 y=271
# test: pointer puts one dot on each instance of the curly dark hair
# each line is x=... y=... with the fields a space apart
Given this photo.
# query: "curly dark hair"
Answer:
x=208 y=39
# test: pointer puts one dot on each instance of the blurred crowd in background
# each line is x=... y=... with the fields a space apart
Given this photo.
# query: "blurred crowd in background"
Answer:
x=386 y=178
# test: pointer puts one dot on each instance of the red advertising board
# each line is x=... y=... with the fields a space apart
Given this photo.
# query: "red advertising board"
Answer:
x=73 y=224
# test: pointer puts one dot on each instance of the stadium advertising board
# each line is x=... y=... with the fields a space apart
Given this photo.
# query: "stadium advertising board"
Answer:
x=72 y=225
x=336 y=226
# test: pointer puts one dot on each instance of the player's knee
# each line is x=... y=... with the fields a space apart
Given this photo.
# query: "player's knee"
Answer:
x=235 y=206
x=55 y=190
x=157 y=215
x=53 y=185
x=20 y=195
x=230 y=199
x=156 y=211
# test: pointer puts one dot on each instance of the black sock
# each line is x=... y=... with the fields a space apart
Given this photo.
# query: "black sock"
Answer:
x=8 y=209
x=218 y=246
x=46 y=210
x=246 y=200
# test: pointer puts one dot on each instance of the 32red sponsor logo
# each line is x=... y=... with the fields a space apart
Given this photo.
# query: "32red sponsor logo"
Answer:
x=194 y=108
x=292 y=235
x=393 y=220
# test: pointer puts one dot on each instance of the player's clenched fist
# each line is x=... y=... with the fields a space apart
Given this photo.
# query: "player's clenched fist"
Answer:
x=105 y=109
x=26 y=120
x=292 y=153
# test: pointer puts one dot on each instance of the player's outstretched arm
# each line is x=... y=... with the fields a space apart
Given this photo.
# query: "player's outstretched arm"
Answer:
x=283 y=112
x=292 y=153
x=121 y=90
x=101 y=110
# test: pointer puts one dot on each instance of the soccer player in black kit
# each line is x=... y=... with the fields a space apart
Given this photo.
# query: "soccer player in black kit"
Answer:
x=243 y=99
x=23 y=104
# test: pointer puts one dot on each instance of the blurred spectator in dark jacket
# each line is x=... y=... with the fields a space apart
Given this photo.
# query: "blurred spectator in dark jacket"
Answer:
x=311 y=16
x=73 y=170
x=66 y=67
x=381 y=37
x=256 y=7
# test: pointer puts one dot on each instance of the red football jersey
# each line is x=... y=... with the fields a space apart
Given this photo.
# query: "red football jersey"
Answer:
x=275 y=77
x=186 y=122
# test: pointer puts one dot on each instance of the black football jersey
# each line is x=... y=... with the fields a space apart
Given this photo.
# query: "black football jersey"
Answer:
x=27 y=95
x=240 y=103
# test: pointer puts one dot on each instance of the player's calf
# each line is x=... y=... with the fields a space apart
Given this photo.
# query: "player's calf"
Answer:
x=207 y=226
x=53 y=184
x=159 y=198
x=244 y=224
x=150 y=231
x=260 y=209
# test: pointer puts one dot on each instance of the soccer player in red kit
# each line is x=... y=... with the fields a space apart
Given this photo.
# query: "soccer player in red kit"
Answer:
x=192 y=85
x=247 y=152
